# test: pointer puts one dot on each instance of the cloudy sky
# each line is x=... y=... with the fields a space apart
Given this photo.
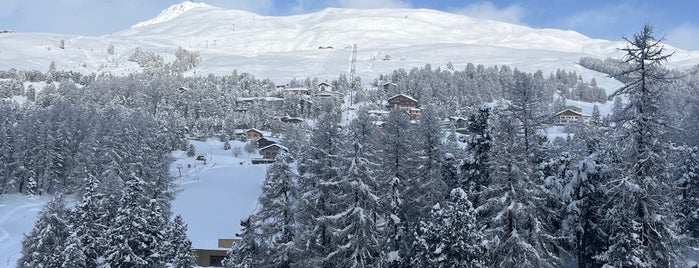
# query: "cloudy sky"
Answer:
x=676 y=20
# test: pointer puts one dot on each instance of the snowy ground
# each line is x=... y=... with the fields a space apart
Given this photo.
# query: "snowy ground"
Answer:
x=212 y=199
x=217 y=195
x=17 y=216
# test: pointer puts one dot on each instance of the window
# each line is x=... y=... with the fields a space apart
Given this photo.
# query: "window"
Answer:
x=216 y=260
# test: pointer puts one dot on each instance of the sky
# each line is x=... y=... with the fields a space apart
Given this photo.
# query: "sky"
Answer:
x=674 y=20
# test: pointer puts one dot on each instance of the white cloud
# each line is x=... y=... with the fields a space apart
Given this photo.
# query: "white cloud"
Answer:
x=486 y=10
x=373 y=4
x=685 y=36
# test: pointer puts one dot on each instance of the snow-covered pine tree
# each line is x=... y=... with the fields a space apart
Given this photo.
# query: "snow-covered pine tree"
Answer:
x=452 y=236
x=639 y=218
x=355 y=235
x=73 y=254
x=90 y=219
x=137 y=229
x=476 y=168
x=688 y=183
x=191 y=151
x=429 y=187
x=247 y=252
x=394 y=231
x=513 y=206
x=583 y=195
x=179 y=254
x=319 y=167
x=45 y=244
x=394 y=145
x=274 y=217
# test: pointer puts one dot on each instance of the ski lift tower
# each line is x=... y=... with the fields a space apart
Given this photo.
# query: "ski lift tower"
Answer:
x=353 y=71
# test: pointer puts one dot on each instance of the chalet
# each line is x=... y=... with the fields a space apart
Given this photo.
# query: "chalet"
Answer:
x=214 y=256
x=244 y=104
x=401 y=101
x=571 y=115
x=302 y=91
x=458 y=122
x=253 y=134
x=388 y=86
x=270 y=152
x=181 y=90
x=325 y=86
x=266 y=141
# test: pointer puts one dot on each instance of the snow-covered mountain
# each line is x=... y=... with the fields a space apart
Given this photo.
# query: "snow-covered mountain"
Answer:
x=284 y=47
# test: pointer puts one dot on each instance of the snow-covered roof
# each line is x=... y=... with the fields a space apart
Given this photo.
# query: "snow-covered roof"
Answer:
x=260 y=99
x=264 y=133
x=378 y=112
x=296 y=89
x=277 y=145
x=456 y=118
x=324 y=84
x=406 y=96
x=572 y=111
x=272 y=139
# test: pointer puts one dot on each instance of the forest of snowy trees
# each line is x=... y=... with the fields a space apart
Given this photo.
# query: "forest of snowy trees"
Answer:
x=622 y=191
x=609 y=196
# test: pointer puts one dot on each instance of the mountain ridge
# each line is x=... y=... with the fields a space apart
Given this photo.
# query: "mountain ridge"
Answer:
x=287 y=47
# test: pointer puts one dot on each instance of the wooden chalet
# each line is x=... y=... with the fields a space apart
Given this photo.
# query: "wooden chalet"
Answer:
x=388 y=86
x=302 y=91
x=571 y=116
x=253 y=134
x=244 y=104
x=402 y=101
x=266 y=141
x=269 y=154
x=325 y=86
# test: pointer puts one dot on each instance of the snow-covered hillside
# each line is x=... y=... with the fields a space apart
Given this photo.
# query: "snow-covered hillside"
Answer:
x=286 y=47
x=213 y=197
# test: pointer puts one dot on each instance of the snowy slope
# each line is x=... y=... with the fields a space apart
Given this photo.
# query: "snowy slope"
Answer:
x=285 y=47
x=212 y=199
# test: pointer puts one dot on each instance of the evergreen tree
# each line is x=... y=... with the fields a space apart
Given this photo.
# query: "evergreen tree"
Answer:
x=583 y=196
x=394 y=231
x=137 y=230
x=179 y=255
x=73 y=253
x=514 y=211
x=452 y=236
x=45 y=245
x=639 y=218
x=90 y=219
x=191 y=151
x=355 y=236
x=688 y=183
x=248 y=252
x=275 y=215
x=319 y=166
x=476 y=168
x=428 y=187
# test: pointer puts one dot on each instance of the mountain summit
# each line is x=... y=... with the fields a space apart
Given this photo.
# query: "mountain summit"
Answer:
x=172 y=12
